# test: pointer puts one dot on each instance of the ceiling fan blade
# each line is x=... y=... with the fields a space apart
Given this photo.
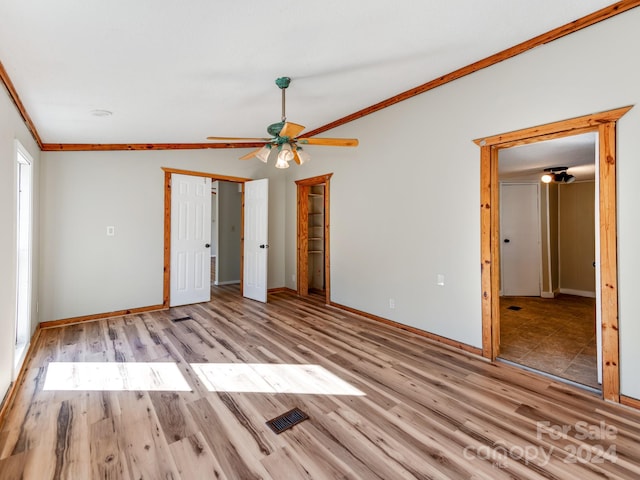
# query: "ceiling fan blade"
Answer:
x=333 y=142
x=296 y=157
x=250 y=154
x=291 y=130
x=236 y=139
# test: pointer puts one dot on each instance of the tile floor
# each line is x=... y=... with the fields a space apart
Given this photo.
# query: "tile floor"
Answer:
x=556 y=335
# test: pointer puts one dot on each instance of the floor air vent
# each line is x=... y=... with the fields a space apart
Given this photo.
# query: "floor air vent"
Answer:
x=513 y=307
x=181 y=319
x=287 y=420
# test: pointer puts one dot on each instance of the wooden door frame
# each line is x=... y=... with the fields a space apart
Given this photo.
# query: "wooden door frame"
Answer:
x=302 y=264
x=166 y=291
x=604 y=124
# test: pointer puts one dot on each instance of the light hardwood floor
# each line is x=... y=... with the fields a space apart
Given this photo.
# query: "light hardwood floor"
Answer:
x=428 y=411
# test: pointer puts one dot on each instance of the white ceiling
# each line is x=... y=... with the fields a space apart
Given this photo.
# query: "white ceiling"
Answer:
x=177 y=72
x=527 y=162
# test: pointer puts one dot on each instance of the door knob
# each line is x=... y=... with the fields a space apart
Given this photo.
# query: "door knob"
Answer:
x=264 y=246
x=206 y=245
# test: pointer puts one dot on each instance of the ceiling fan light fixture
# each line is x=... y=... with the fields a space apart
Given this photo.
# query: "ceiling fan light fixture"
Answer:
x=303 y=156
x=281 y=163
x=557 y=175
x=285 y=154
x=263 y=153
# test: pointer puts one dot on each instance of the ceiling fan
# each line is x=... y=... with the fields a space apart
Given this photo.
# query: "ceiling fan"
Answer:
x=557 y=175
x=286 y=140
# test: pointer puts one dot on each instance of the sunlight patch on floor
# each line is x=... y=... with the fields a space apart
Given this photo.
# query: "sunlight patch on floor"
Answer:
x=272 y=378
x=115 y=376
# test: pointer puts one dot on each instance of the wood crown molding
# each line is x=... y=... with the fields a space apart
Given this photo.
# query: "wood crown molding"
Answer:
x=102 y=147
x=13 y=93
x=555 y=34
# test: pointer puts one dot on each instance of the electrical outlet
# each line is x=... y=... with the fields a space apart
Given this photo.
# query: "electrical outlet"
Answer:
x=111 y=231
x=440 y=280
x=392 y=303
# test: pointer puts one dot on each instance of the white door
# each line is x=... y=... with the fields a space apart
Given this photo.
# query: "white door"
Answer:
x=256 y=204
x=190 y=279
x=520 y=239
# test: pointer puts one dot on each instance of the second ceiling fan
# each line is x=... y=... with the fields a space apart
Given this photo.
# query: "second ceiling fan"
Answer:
x=286 y=140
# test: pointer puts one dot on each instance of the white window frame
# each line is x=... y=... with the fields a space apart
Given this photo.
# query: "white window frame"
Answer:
x=23 y=311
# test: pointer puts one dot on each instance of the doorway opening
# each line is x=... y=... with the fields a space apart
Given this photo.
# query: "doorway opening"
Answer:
x=168 y=230
x=226 y=241
x=548 y=240
x=604 y=124
x=313 y=269
x=24 y=241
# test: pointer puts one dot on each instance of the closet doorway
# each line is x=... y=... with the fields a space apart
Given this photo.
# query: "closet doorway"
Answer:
x=313 y=236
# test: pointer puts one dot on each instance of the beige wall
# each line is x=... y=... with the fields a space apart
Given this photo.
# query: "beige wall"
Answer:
x=576 y=235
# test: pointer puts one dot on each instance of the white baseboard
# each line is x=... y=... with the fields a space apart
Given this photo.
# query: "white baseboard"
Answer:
x=578 y=293
x=548 y=294
x=228 y=282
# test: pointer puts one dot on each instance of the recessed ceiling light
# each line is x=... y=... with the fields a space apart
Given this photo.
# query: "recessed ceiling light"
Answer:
x=101 y=113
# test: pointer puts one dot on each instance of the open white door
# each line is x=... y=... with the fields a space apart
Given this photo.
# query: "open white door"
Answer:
x=190 y=279
x=256 y=206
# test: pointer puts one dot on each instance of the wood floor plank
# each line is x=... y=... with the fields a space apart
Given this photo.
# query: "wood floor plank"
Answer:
x=226 y=448
x=195 y=459
x=107 y=458
x=427 y=410
x=173 y=415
